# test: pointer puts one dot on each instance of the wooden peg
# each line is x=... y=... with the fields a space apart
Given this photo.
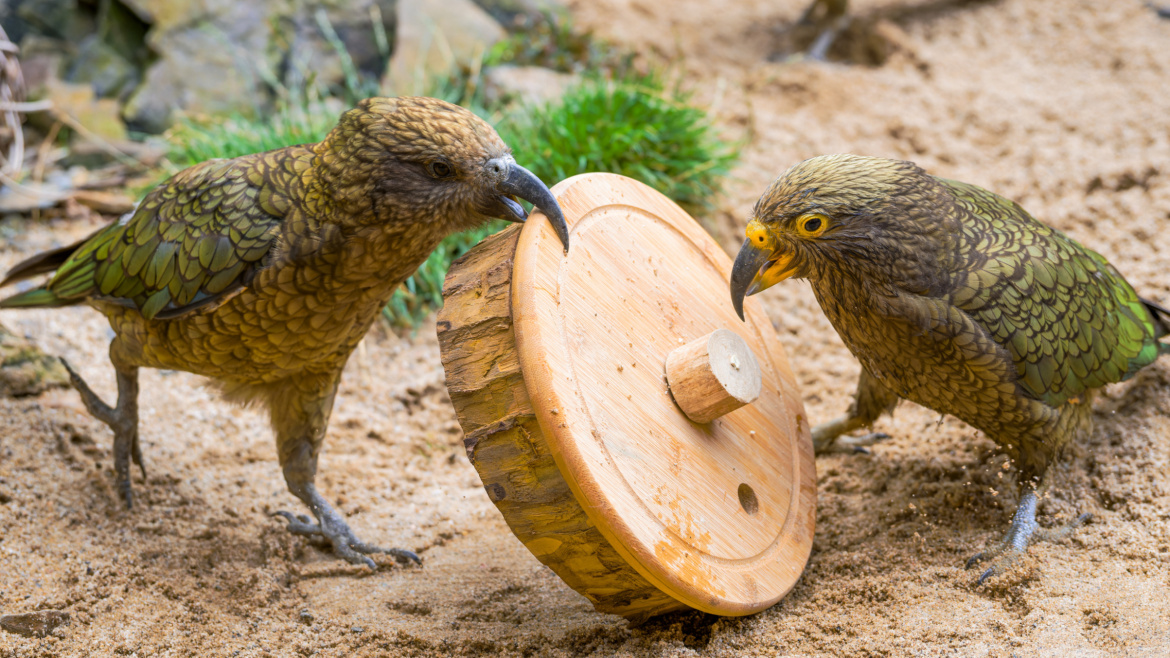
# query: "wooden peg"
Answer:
x=713 y=375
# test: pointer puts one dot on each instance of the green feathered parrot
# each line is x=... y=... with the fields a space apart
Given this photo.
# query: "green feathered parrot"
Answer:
x=263 y=272
x=957 y=299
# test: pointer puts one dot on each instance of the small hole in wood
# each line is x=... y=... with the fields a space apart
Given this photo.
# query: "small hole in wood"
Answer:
x=747 y=499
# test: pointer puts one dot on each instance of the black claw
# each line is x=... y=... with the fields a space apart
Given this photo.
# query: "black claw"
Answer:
x=974 y=559
x=299 y=524
x=986 y=574
x=136 y=455
x=862 y=449
x=404 y=556
x=345 y=546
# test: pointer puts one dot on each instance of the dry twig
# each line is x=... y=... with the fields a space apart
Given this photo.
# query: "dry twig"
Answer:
x=11 y=106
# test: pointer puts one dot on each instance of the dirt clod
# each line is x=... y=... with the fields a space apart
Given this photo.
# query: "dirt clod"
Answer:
x=34 y=624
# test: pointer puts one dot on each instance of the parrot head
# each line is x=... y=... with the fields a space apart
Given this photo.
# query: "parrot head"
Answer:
x=826 y=213
x=422 y=159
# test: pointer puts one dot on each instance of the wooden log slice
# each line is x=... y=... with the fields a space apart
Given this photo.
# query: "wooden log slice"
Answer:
x=556 y=367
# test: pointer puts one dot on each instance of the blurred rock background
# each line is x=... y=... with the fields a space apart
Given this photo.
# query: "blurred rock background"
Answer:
x=132 y=66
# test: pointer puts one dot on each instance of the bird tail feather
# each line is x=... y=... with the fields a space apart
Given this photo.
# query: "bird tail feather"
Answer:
x=1161 y=316
x=35 y=298
x=42 y=263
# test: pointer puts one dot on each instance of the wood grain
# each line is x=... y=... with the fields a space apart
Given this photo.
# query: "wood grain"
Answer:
x=556 y=367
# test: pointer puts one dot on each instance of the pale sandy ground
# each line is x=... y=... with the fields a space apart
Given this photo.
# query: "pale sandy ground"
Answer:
x=1062 y=105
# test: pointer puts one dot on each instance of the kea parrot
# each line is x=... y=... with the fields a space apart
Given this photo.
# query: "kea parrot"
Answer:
x=263 y=272
x=959 y=300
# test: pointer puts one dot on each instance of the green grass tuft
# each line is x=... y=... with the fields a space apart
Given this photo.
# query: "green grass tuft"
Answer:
x=635 y=127
x=196 y=140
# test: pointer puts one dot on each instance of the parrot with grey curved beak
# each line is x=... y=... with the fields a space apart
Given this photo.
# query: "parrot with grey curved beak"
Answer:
x=957 y=299
x=263 y=272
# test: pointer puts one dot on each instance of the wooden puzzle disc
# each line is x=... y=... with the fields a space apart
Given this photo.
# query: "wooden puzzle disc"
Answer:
x=717 y=516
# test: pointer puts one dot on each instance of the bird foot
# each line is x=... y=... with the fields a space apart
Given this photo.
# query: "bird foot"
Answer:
x=855 y=444
x=829 y=438
x=1024 y=531
x=122 y=421
x=345 y=544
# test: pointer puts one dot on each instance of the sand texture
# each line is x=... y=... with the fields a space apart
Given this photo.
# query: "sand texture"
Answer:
x=1062 y=105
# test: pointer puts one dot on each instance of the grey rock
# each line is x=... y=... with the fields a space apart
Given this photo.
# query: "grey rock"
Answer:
x=42 y=60
x=124 y=31
x=531 y=85
x=26 y=370
x=141 y=8
x=225 y=56
x=81 y=43
x=434 y=38
x=104 y=68
x=510 y=12
x=34 y=624
x=99 y=116
x=61 y=19
x=201 y=69
x=321 y=40
x=30 y=196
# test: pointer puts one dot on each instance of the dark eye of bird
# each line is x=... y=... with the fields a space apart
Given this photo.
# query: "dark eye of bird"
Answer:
x=440 y=169
x=812 y=224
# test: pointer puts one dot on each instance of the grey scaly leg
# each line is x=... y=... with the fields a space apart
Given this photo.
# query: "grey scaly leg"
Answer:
x=1023 y=532
x=122 y=419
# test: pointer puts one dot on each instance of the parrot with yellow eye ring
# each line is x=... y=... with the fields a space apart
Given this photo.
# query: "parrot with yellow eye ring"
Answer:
x=263 y=272
x=957 y=299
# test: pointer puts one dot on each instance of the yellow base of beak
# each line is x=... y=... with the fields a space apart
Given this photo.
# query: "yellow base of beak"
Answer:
x=773 y=272
x=757 y=269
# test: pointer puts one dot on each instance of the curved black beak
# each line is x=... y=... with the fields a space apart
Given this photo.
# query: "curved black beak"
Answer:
x=524 y=184
x=747 y=265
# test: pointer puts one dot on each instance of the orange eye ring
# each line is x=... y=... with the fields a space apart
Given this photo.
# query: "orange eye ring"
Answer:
x=811 y=225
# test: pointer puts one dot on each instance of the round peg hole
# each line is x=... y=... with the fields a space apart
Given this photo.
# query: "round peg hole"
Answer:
x=747 y=499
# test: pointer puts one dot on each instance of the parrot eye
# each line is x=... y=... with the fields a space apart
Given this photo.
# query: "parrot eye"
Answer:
x=810 y=226
x=440 y=169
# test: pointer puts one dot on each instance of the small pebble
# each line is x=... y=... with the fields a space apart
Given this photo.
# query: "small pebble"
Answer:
x=34 y=624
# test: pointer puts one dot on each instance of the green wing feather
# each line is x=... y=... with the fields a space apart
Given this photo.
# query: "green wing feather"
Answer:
x=193 y=241
x=1069 y=320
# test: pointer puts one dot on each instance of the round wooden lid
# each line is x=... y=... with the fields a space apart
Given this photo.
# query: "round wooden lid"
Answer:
x=720 y=515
